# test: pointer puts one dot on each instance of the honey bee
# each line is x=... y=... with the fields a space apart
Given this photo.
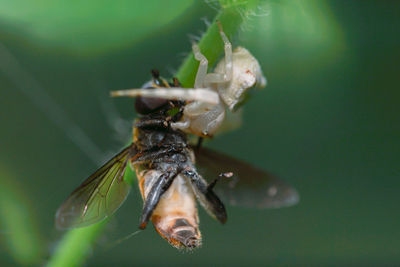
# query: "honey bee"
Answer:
x=169 y=169
x=169 y=181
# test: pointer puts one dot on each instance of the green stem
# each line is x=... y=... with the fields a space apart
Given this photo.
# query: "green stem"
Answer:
x=75 y=245
x=17 y=223
x=73 y=248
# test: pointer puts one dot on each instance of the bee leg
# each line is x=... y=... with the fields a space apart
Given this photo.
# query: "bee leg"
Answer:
x=221 y=175
x=199 y=143
x=207 y=198
x=152 y=123
x=147 y=156
x=153 y=197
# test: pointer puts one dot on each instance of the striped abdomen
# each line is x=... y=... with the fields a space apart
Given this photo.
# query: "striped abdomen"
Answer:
x=175 y=217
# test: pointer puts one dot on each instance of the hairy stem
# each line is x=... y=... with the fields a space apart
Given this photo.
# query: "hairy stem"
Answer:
x=231 y=16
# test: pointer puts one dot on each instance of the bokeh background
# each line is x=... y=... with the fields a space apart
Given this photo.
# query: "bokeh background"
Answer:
x=328 y=122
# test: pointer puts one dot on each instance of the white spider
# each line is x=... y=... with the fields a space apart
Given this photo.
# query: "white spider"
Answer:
x=226 y=87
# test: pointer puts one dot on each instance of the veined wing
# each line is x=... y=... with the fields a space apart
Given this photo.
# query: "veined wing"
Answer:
x=98 y=196
x=249 y=186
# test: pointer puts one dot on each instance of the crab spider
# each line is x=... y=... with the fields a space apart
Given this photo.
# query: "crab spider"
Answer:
x=226 y=87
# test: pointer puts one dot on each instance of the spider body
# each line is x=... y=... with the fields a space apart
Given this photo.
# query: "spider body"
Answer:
x=225 y=88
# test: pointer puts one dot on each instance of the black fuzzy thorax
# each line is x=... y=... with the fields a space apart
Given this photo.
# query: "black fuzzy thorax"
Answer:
x=161 y=148
x=154 y=136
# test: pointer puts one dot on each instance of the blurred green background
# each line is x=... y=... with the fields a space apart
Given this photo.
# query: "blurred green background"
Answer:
x=328 y=122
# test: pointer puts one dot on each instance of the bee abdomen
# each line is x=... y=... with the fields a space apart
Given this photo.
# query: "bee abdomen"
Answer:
x=186 y=234
x=179 y=232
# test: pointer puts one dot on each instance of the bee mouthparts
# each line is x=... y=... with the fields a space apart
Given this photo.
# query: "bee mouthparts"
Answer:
x=192 y=242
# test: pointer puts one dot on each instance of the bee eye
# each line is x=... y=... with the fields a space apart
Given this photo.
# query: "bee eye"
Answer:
x=146 y=105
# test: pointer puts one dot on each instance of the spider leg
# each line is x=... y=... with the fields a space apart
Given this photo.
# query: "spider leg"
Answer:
x=199 y=94
x=228 y=54
x=203 y=66
x=227 y=75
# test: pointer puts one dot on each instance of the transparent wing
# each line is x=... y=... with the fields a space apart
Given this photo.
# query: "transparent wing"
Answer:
x=249 y=186
x=98 y=196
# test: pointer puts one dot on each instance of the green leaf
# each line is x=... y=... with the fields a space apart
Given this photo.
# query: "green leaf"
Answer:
x=302 y=31
x=90 y=25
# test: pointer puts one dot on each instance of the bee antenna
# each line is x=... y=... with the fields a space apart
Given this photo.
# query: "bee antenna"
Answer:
x=155 y=73
x=176 y=82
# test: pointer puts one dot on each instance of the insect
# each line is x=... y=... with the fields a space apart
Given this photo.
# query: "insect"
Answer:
x=169 y=169
x=168 y=180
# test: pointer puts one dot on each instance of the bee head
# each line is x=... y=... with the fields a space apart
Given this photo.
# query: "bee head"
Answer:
x=147 y=105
